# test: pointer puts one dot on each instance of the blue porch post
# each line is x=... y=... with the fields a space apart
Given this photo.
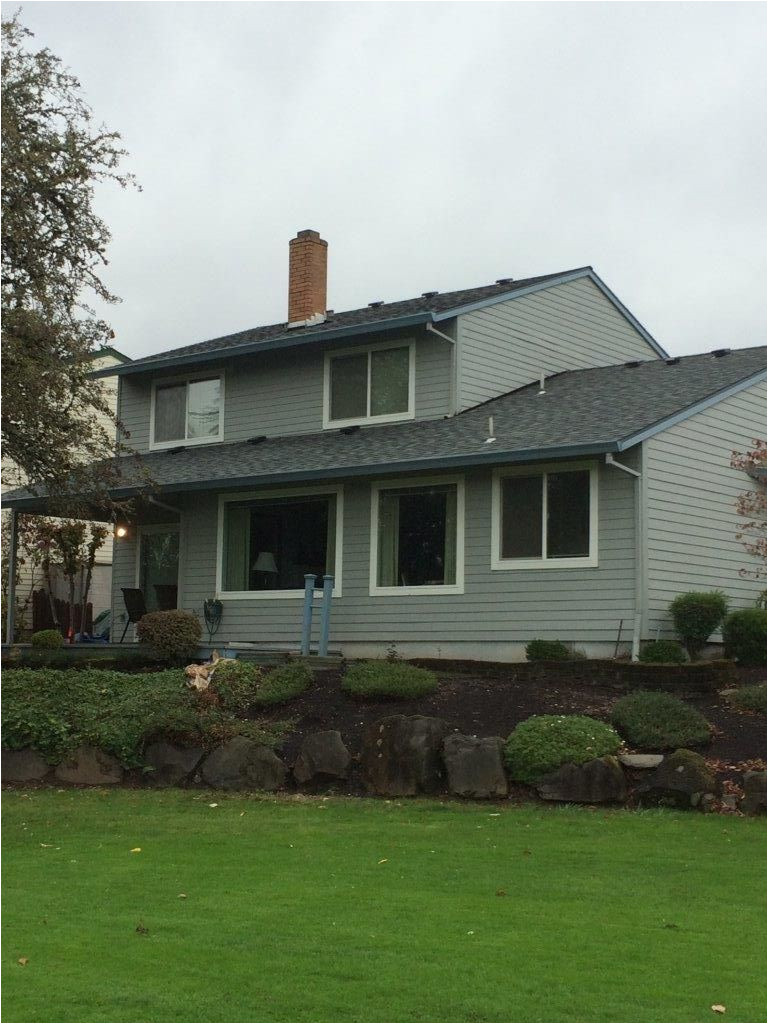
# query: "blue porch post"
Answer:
x=306 y=625
x=325 y=616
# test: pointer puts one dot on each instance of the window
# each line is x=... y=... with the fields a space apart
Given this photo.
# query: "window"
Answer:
x=375 y=385
x=417 y=532
x=187 y=412
x=545 y=517
x=270 y=542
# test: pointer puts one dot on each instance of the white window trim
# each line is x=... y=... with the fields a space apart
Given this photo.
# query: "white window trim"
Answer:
x=377 y=487
x=580 y=562
x=394 y=417
x=293 y=492
x=185 y=441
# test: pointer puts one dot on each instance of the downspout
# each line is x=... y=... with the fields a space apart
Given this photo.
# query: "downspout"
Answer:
x=639 y=554
x=453 y=396
x=10 y=627
x=163 y=505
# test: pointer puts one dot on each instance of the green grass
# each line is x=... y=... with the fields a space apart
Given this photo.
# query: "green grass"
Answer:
x=355 y=910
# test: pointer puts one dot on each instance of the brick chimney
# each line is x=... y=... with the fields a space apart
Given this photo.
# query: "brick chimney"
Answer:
x=307 y=278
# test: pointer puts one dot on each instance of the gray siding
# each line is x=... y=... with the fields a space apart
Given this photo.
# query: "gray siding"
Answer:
x=691 y=520
x=566 y=327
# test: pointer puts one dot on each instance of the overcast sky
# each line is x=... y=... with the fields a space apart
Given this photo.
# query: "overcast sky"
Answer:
x=435 y=146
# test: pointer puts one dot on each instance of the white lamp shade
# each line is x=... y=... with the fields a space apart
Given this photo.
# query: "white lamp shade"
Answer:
x=265 y=562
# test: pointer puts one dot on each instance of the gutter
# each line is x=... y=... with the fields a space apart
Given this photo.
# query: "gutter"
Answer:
x=639 y=525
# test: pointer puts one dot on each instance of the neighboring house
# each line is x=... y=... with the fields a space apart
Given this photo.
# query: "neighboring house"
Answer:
x=475 y=469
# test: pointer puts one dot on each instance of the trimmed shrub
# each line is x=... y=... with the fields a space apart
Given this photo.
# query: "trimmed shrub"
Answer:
x=48 y=639
x=663 y=652
x=744 y=634
x=696 y=617
x=749 y=698
x=284 y=683
x=173 y=635
x=547 y=650
x=654 y=720
x=237 y=684
x=544 y=743
x=388 y=679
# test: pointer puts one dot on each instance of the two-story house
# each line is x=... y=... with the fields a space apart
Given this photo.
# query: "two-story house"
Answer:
x=474 y=468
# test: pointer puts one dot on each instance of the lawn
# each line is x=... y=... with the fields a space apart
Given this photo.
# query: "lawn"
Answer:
x=356 y=910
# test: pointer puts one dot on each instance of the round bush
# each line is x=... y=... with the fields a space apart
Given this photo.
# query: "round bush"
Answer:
x=696 y=617
x=744 y=634
x=662 y=652
x=388 y=679
x=544 y=743
x=48 y=639
x=174 y=635
x=237 y=684
x=284 y=683
x=548 y=650
x=654 y=720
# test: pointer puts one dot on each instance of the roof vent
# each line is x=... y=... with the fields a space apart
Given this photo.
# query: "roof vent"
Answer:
x=429 y=295
x=350 y=430
x=718 y=353
x=376 y=304
x=673 y=361
x=505 y=280
x=632 y=364
x=257 y=439
x=329 y=312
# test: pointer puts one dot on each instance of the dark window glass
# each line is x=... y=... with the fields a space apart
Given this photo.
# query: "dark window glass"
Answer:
x=417 y=537
x=568 y=514
x=521 y=517
x=349 y=387
x=390 y=372
x=170 y=412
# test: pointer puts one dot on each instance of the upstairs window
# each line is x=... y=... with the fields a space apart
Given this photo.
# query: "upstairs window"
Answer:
x=372 y=386
x=187 y=412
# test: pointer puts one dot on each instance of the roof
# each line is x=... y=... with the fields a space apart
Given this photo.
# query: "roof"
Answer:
x=427 y=308
x=582 y=412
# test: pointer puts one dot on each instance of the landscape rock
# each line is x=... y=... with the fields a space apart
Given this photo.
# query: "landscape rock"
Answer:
x=24 y=765
x=754 y=793
x=401 y=755
x=243 y=764
x=323 y=755
x=474 y=766
x=89 y=766
x=641 y=760
x=170 y=764
x=682 y=780
x=595 y=782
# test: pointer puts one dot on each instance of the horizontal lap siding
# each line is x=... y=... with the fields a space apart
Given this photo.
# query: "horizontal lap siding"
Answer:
x=567 y=327
x=691 y=517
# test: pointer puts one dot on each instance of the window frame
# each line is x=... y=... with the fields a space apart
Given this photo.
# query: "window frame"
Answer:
x=336 y=490
x=390 y=417
x=374 y=590
x=186 y=381
x=573 y=562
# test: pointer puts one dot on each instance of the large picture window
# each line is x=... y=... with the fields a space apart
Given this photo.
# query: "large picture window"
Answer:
x=545 y=517
x=187 y=412
x=375 y=385
x=417 y=537
x=270 y=542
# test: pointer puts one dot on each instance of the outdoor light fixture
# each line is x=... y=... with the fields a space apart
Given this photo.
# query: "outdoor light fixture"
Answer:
x=121 y=531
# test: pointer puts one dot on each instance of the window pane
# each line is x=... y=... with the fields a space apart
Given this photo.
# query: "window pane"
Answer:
x=417 y=537
x=390 y=371
x=159 y=569
x=170 y=403
x=349 y=387
x=568 y=514
x=521 y=512
x=203 y=408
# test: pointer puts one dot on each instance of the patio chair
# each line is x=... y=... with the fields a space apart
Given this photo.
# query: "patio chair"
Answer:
x=166 y=594
x=135 y=605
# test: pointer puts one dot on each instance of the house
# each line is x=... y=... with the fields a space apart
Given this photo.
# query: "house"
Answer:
x=474 y=469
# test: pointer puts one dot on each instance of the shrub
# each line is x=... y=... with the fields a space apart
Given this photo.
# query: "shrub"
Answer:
x=654 y=720
x=284 y=683
x=388 y=679
x=547 y=650
x=542 y=744
x=744 y=634
x=49 y=639
x=237 y=684
x=696 y=617
x=749 y=698
x=663 y=652
x=173 y=635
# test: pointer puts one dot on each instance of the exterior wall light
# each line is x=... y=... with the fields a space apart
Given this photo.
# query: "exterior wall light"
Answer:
x=121 y=531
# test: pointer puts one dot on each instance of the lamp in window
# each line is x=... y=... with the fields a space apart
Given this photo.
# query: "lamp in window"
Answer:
x=266 y=565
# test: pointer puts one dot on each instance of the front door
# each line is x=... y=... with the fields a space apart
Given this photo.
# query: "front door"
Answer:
x=159 y=566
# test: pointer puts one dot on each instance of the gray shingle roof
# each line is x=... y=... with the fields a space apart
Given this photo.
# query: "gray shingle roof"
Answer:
x=583 y=411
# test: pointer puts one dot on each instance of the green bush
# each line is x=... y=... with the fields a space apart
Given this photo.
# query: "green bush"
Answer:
x=388 y=679
x=547 y=650
x=173 y=635
x=749 y=698
x=284 y=683
x=48 y=639
x=237 y=684
x=744 y=635
x=696 y=617
x=542 y=744
x=663 y=652
x=654 y=720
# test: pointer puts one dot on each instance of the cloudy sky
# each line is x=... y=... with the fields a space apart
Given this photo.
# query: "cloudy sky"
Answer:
x=435 y=146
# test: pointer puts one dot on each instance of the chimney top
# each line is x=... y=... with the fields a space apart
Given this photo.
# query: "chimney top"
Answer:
x=307 y=279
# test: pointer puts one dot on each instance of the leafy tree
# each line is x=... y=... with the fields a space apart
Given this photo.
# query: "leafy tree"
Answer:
x=751 y=506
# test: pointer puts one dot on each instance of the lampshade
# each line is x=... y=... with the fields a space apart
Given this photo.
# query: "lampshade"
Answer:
x=265 y=562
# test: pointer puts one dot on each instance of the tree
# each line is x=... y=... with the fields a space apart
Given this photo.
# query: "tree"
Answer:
x=57 y=426
x=751 y=506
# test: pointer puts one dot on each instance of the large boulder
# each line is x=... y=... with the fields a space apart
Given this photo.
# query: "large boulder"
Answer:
x=89 y=766
x=474 y=766
x=323 y=755
x=243 y=764
x=24 y=765
x=401 y=755
x=754 y=793
x=170 y=764
x=682 y=780
x=598 y=781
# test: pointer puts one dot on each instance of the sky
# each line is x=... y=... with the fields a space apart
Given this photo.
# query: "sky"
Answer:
x=435 y=146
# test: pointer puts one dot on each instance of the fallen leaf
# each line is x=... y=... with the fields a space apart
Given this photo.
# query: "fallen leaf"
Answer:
x=136 y=849
x=182 y=895
x=718 y=1008
x=213 y=805
x=501 y=892
x=23 y=961
x=142 y=929
x=48 y=846
x=383 y=860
